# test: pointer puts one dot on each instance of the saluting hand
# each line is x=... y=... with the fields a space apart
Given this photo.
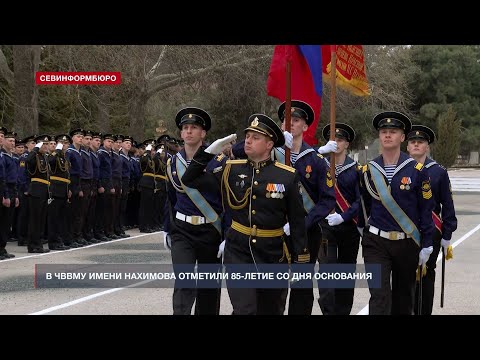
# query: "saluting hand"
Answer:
x=217 y=146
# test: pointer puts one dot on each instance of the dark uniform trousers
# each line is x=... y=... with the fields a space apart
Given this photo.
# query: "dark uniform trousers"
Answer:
x=22 y=219
x=339 y=246
x=86 y=186
x=37 y=220
x=6 y=218
x=255 y=301
x=398 y=258
x=57 y=222
x=195 y=244
x=104 y=211
x=145 y=213
x=117 y=185
x=123 y=204
x=160 y=197
x=89 y=228
x=428 y=281
x=76 y=208
x=301 y=297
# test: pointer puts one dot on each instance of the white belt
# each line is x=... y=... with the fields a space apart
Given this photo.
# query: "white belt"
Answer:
x=194 y=219
x=390 y=235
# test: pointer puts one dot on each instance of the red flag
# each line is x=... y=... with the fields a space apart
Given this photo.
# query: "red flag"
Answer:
x=351 y=72
x=306 y=80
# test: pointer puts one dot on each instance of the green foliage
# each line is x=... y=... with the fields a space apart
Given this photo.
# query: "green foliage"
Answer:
x=447 y=146
x=447 y=76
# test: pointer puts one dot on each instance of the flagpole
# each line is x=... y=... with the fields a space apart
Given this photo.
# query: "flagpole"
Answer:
x=288 y=99
x=333 y=95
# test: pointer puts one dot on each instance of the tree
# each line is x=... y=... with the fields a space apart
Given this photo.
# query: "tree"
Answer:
x=447 y=75
x=448 y=140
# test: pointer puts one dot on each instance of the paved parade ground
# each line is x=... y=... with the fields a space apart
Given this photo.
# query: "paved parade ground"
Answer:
x=19 y=296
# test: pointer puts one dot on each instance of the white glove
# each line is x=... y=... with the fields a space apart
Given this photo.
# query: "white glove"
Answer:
x=424 y=255
x=160 y=150
x=286 y=229
x=39 y=145
x=149 y=147
x=334 y=219
x=167 y=242
x=221 y=249
x=59 y=146
x=360 y=231
x=288 y=139
x=217 y=146
x=329 y=147
x=445 y=244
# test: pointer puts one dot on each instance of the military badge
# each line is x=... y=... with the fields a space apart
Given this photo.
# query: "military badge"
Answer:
x=308 y=170
x=426 y=190
x=329 y=179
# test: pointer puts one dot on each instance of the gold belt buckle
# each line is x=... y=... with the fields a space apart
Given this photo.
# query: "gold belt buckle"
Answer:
x=195 y=220
x=393 y=235
x=253 y=231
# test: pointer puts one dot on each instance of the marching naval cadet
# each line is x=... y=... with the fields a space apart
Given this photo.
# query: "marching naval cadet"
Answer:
x=419 y=140
x=340 y=228
x=260 y=195
x=317 y=193
x=195 y=230
x=399 y=203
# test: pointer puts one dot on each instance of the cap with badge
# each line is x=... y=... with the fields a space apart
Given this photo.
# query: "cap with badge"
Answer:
x=342 y=130
x=193 y=115
x=128 y=138
x=421 y=132
x=43 y=138
x=264 y=125
x=108 y=137
x=299 y=109
x=10 y=134
x=392 y=120
x=63 y=138
x=89 y=133
x=163 y=138
x=96 y=135
x=148 y=142
x=78 y=131
x=29 y=139
x=3 y=130
x=119 y=137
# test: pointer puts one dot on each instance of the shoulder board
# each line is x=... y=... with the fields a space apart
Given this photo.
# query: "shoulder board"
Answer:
x=419 y=166
x=320 y=156
x=240 y=161
x=284 y=167
x=220 y=157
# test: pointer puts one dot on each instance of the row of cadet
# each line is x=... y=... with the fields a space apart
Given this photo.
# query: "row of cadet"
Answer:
x=76 y=189
x=238 y=203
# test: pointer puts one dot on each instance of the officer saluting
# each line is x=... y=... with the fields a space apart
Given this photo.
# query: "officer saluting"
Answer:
x=39 y=193
x=399 y=203
x=419 y=139
x=261 y=196
x=58 y=234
